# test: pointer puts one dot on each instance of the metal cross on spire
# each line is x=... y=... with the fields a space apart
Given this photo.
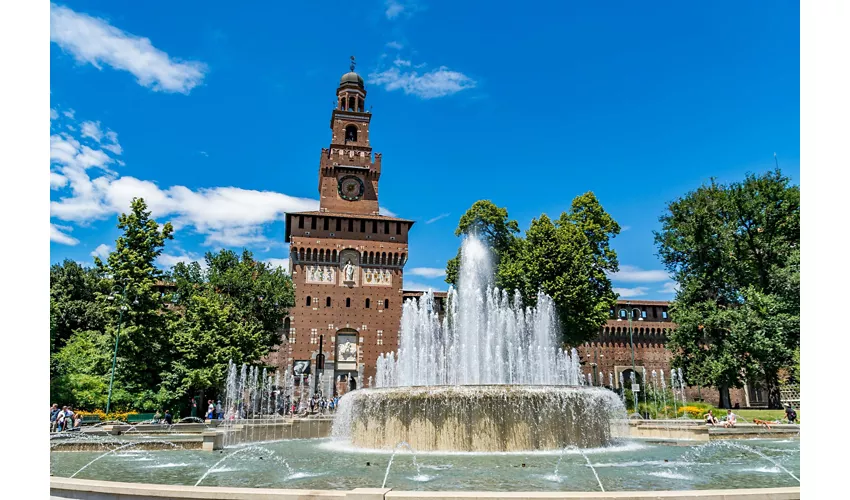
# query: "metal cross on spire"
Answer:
x=353 y=63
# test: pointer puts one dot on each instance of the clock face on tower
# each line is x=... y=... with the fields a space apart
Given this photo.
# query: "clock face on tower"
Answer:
x=350 y=188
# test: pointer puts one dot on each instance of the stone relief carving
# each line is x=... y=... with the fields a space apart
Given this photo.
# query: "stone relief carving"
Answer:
x=377 y=277
x=320 y=274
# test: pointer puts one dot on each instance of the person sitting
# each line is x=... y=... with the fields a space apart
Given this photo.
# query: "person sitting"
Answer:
x=731 y=419
x=709 y=418
x=168 y=418
x=790 y=414
x=78 y=421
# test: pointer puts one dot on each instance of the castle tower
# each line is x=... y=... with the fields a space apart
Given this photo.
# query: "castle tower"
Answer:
x=346 y=260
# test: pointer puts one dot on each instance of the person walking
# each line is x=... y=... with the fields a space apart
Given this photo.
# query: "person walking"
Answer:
x=790 y=414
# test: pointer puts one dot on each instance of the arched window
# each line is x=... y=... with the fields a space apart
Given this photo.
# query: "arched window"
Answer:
x=351 y=133
x=328 y=302
x=367 y=303
x=308 y=300
x=622 y=313
x=347 y=302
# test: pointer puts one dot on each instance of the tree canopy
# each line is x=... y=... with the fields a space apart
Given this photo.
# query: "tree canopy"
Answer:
x=568 y=259
x=734 y=250
x=179 y=328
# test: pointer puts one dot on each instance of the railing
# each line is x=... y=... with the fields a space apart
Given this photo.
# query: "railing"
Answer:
x=790 y=395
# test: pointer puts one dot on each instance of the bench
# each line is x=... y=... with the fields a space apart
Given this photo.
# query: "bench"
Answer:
x=90 y=419
x=139 y=418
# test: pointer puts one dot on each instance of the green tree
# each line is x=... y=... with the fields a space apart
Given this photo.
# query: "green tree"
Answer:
x=73 y=304
x=233 y=311
x=492 y=225
x=734 y=251
x=558 y=260
x=568 y=259
x=145 y=351
x=81 y=372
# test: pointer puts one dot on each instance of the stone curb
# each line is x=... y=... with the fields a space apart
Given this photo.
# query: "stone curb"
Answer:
x=87 y=489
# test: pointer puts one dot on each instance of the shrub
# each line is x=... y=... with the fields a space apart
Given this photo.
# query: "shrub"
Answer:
x=693 y=411
x=115 y=415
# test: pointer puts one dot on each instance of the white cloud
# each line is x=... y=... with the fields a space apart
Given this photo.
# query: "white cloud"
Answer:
x=57 y=180
x=95 y=41
x=633 y=274
x=108 y=140
x=395 y=45
x=631 y=292
x=69 y=113
x=386 y=211
x=58 y=236
x=281 y=263
x=439 y=82
x=625 y=228
x=413 y=285
x=168 y=261
x=394 y=8
x=435 y=219
x=670 y=287
x=53 y=114
x=101 y=251
x=92 y=129
x=427 y=272
x=401 y=63
x=227 y=216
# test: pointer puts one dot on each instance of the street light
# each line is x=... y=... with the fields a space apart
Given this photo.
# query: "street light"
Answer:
x=123 y=307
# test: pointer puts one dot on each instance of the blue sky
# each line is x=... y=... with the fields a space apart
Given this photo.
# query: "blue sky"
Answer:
x=217 y=114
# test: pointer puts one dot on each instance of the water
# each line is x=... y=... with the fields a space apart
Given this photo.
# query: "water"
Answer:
x=329 y=464
x=557 y=477
x=389 y=465
x=267 y=453
x=486 y=336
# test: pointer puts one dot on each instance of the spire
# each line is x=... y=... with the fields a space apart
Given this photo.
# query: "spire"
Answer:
x=353 y=64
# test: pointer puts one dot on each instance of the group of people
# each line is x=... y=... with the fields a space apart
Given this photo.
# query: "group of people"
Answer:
x=730 y=420
x=64 y=419
x=323 y=405
x=160 y=418
x=214 y=410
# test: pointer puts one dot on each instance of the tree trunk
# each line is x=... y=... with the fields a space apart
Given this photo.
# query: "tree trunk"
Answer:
x=774 y=401
x=724 y=397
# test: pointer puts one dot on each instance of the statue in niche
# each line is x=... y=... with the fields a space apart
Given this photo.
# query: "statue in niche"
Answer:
x=349 y=271
x=321 y=274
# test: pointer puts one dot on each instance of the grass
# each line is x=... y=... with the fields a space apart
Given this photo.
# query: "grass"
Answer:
x=760 y=414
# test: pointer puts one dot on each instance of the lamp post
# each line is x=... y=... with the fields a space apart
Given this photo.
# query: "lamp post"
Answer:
x=123 y=307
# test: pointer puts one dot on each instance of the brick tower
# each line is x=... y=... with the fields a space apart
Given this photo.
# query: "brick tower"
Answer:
x=346 y=260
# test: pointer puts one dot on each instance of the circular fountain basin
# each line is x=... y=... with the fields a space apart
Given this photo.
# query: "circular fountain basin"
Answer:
x=480 y=418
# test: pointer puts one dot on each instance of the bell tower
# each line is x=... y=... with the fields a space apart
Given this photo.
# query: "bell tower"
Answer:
x=348 y=172
x=346 y=260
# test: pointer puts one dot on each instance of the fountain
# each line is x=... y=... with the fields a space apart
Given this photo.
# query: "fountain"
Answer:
x=488 y=377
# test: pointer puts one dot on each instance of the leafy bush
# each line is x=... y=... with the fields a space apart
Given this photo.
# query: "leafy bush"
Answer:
x=111 y=416
x=693 y=411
